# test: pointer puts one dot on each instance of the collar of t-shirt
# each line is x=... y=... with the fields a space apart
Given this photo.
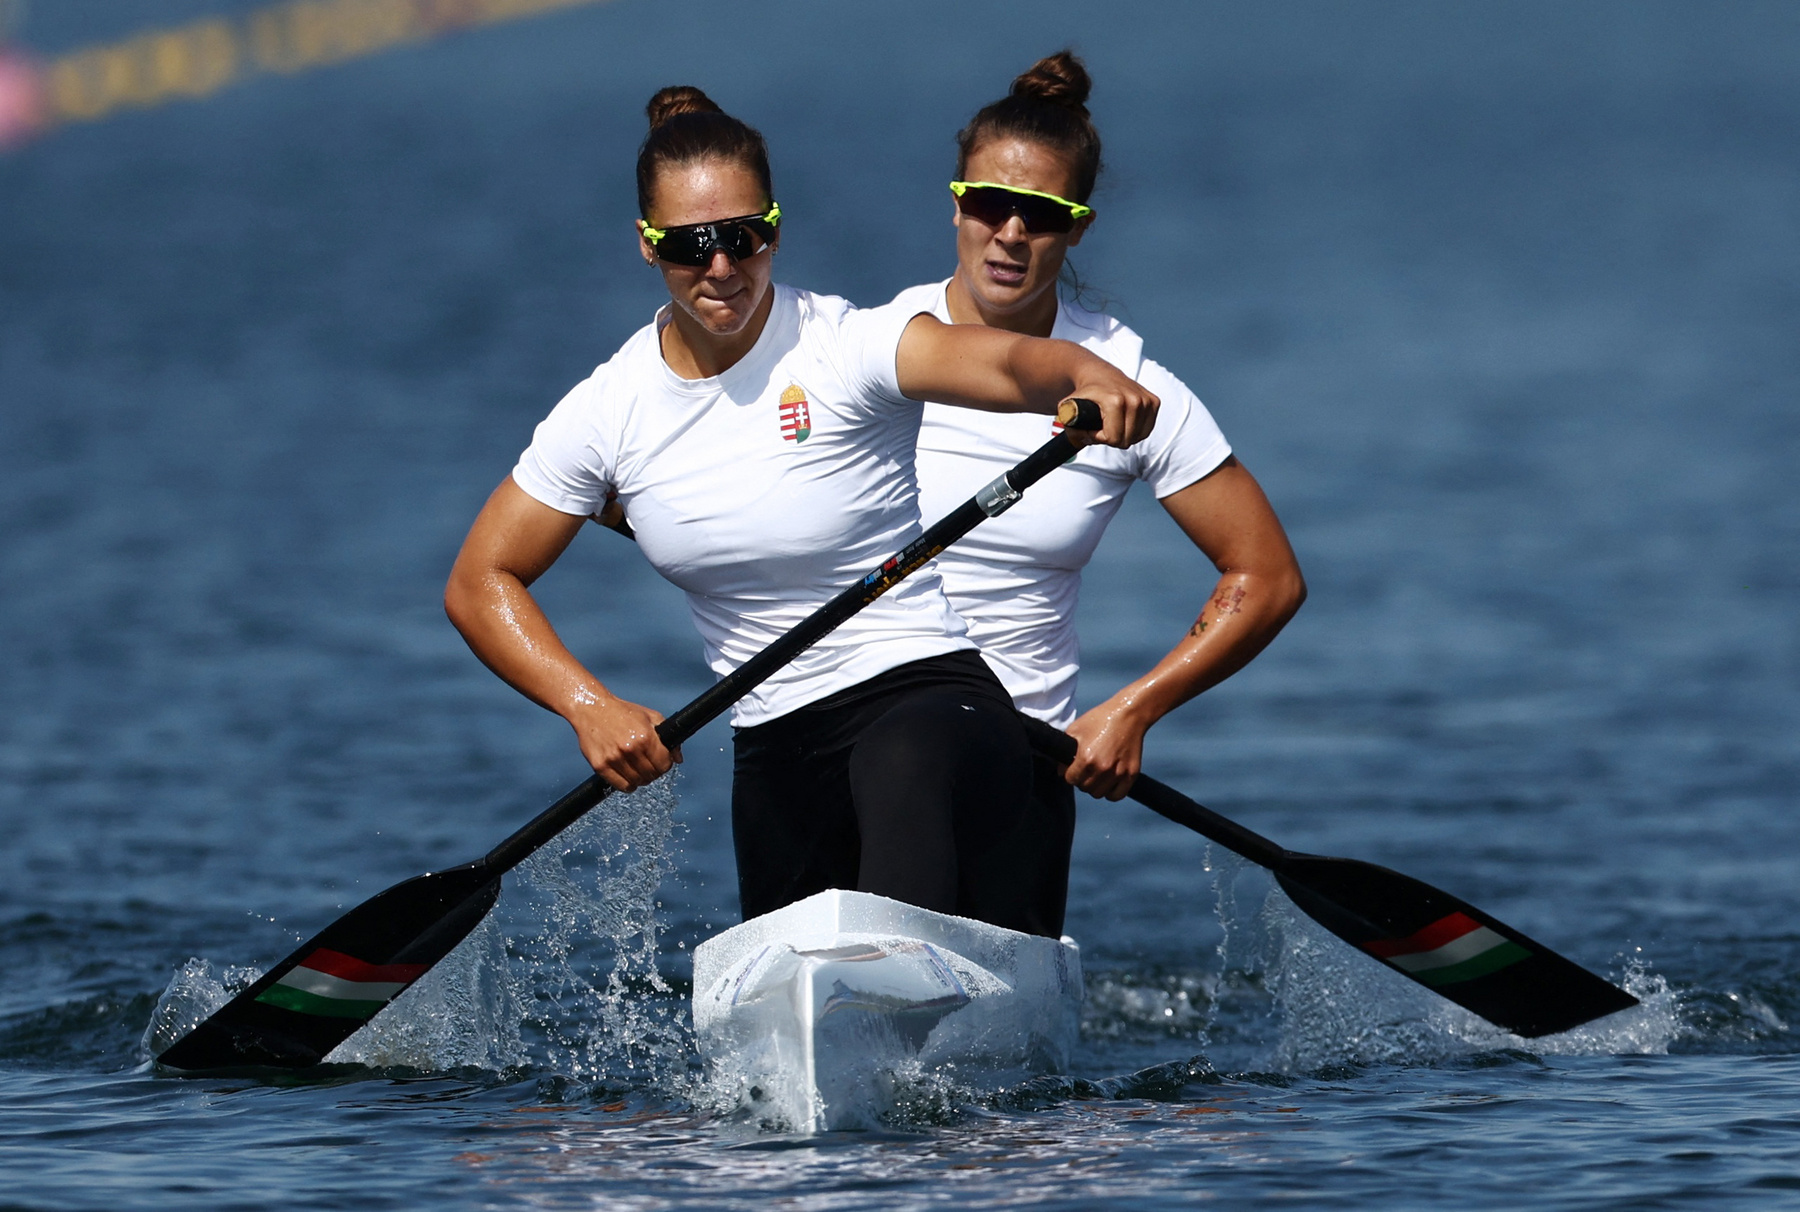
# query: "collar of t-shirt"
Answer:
x=780 y=332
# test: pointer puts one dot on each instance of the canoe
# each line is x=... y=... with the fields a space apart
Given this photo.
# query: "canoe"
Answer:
x=819 y=1016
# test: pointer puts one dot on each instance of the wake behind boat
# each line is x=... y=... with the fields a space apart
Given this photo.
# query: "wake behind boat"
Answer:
x=817 y=1014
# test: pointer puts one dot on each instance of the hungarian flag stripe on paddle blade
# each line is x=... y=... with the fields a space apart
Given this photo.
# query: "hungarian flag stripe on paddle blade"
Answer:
x=1454 y=948
x=1449 y=946
x=318 y=997
x=336 y=985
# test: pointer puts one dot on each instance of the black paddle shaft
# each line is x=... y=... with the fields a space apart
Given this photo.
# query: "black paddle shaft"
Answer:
x=1164 y=800
x=1424 y=933
x=990 y=502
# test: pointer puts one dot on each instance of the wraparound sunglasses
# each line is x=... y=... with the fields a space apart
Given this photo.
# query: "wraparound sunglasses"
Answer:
x=695 y=243
x=992 y=204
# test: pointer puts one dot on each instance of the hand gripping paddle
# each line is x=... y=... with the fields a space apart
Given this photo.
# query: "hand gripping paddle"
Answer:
x=349 y=972
x=1421 y=932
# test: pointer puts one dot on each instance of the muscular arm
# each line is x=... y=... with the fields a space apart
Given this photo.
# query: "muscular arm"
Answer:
x=1259 y=589
x=979 y=367
x=514 y=541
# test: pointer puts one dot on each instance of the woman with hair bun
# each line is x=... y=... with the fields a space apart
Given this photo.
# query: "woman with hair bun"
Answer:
x=761 y=439
x=1026 y=167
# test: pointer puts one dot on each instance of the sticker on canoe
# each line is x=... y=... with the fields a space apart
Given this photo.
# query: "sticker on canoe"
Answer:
x=1451 y=950
x=331 y=984
x=796 y=417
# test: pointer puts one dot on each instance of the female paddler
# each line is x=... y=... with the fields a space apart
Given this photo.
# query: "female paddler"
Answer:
x=1026 y=166
x=761 y=439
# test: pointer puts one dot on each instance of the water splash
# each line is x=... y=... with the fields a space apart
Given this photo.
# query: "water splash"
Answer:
x=463 y=1014
x=595 y=1004
x=192 y=995
x=1295 y=998
x=561 y=978
x=1177 y=1004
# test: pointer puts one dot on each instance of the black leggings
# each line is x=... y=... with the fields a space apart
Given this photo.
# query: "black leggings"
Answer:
x=917 y=785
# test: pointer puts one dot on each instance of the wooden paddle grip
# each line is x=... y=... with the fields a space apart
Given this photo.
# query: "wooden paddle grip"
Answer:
x=1078 y=413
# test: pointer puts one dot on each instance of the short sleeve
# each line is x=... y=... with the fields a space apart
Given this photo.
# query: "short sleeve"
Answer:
x=565 y=466
x=869 y=349
x=1186 y=444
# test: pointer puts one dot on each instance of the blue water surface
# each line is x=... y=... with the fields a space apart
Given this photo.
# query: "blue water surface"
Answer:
x=1500 y=302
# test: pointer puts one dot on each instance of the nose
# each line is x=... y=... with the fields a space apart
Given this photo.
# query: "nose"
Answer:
x=1012 y=231
x=721 y=265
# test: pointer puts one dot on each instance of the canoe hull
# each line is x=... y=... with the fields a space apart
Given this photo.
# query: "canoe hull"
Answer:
x=816 y=1017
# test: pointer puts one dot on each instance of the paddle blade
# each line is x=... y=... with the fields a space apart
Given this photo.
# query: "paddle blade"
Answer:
x=339 y=979
x=1449 y=946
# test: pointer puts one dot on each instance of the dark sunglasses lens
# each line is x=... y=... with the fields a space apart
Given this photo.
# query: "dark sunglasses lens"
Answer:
x=695 y=245
x=994 y=206
x=685 y=246
x=760 y=233
x=740 y=240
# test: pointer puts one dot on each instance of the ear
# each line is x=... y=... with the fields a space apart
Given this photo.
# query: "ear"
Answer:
x=644 y=249
x=1080 y=229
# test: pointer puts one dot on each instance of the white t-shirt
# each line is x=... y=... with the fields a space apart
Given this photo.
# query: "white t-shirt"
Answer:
x=762 y=492
x=1015 y=579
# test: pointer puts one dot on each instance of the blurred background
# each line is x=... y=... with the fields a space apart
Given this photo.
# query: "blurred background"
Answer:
x=1499 y=301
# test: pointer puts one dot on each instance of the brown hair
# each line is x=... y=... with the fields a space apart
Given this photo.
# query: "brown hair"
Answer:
x=685 y=126
x=1048 y=105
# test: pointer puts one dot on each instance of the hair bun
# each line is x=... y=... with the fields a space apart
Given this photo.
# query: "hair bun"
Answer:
x=1060 y=79
x=676 y=100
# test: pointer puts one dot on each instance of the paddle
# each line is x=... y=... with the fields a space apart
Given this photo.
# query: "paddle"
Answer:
x=1421 y=932
x=339 y=979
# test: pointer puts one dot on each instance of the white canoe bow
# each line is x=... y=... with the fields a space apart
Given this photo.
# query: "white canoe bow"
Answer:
x=817 y=1014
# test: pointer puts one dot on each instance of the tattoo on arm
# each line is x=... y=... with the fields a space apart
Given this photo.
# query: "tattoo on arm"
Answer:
x=1224 y=603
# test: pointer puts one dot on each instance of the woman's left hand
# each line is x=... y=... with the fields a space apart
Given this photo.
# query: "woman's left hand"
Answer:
x=1111 y=740
x=1127 y=409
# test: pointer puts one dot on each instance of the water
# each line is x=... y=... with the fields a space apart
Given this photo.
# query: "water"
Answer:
x=1498 y=302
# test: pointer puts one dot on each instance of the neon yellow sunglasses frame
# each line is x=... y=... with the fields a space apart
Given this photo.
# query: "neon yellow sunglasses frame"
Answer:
x=773 y=217
x=1076 y=209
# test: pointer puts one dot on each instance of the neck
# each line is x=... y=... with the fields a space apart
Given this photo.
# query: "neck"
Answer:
x=694 y=351
x=1036 y=317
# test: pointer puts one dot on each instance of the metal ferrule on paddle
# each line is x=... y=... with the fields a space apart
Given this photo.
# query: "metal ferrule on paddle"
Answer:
x=994 y=499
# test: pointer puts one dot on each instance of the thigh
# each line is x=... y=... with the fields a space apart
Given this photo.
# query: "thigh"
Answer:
x=939 y=781
x=1028 y=874
x=792 y=824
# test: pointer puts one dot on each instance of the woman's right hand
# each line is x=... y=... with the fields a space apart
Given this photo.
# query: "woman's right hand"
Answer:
x=619 y=740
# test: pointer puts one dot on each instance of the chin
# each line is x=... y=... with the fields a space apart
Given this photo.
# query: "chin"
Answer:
x=1004 y=299
x=720 y=322
x=728 y=326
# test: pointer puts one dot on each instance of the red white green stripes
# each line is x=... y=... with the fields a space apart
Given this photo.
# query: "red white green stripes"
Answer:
x=334 y=985
x=1452 y=949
